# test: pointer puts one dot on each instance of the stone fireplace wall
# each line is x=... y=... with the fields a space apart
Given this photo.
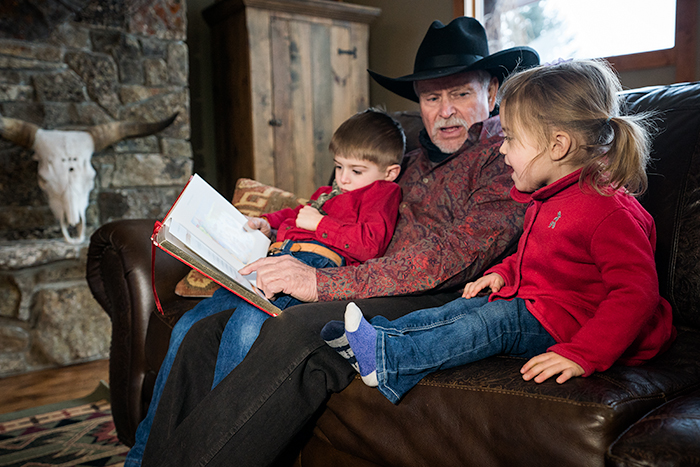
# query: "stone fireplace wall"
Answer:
x=69 y=65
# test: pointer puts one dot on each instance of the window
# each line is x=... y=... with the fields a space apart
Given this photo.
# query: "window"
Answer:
x=632 y=34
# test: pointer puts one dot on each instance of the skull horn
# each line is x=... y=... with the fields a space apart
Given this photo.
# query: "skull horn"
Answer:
x=18 y=131
x=110 y=133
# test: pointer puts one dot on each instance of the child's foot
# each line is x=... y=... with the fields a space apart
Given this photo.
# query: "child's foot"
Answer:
x=334 y=335
x=363 y=341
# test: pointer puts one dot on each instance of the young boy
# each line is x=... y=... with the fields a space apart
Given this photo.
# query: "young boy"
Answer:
x=355 y=218
x=345 y=224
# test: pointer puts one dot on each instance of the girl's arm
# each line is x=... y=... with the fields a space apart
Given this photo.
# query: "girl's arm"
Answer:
x=544 y=366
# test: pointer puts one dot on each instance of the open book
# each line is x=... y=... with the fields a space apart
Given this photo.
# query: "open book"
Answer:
x=206 y=232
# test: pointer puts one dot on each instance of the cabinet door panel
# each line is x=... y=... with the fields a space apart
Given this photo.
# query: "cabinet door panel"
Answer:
x=258 y=78
x=287 y=73
x=314 y=76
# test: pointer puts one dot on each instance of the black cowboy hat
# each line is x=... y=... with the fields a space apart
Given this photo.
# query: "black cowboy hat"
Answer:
x=460 y=46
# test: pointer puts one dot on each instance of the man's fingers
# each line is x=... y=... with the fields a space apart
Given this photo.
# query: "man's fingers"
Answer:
x=252 y=267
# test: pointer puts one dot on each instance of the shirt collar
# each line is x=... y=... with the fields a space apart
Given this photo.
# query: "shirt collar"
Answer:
x=546 y=191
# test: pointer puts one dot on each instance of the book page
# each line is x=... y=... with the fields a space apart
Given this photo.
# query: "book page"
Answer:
x=210 y=264
x=207 y=216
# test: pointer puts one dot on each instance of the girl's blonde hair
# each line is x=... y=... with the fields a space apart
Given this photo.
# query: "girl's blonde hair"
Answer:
x=581 y=97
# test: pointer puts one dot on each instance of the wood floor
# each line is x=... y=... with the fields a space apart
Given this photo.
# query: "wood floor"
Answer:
x=50 y=386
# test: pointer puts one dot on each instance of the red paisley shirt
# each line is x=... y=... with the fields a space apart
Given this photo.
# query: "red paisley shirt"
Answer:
x=455 y=219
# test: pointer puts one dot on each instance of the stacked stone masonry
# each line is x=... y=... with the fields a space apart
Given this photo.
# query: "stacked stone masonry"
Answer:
x=67 y=66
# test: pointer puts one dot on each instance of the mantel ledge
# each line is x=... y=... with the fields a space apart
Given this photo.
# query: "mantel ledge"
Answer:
x=22 y=254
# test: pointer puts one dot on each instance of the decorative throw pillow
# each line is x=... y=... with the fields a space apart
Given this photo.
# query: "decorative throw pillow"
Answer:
x=252 y=199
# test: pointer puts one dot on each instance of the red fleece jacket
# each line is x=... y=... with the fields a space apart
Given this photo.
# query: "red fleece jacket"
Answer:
x=359 y=224
x=585 y=265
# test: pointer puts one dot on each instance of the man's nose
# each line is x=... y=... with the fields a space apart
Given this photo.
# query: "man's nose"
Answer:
x=447 y=108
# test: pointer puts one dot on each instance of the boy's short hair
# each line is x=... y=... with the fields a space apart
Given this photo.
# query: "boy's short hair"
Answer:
x=371 y=135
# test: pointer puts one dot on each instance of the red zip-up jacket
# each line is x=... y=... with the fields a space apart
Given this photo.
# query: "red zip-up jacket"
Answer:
x=585 y=266
x=358 y=225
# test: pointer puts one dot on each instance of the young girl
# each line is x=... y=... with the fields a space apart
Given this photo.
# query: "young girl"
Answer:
x=581 y=292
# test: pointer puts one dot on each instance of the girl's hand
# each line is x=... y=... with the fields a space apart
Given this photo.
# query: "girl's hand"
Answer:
x=258 y=223
x=492 y=280
x=549 y=364
x=308 y=218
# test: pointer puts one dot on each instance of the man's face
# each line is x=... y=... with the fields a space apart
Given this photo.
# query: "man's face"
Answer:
x=450 y=105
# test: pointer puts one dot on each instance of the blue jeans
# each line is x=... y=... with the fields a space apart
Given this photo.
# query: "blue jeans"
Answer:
x=241 y=330
x=457 y=333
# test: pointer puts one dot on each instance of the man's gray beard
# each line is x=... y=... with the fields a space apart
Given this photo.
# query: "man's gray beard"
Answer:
x=452 y=121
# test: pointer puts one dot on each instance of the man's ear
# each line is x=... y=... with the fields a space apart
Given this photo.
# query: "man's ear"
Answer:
x=392 y=172
x=493 y=92
x=560 y=145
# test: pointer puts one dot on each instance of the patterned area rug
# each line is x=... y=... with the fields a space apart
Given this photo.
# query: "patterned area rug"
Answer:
x=74 y=433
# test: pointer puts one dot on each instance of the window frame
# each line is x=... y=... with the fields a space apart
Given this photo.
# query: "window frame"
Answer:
x=681 y=56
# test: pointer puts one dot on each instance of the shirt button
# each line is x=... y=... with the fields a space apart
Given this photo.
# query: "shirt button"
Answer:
x=425 y=180
x=347 y=246
x=324 y=235
x=288 y=227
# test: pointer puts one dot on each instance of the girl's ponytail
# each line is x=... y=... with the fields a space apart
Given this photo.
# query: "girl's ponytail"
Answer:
x=629 y=153
x=626 y=155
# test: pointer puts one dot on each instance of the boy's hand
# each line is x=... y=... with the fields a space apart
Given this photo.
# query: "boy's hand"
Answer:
x=549 y=364
x=308 y=218
x=258 y=223
x=492 y=280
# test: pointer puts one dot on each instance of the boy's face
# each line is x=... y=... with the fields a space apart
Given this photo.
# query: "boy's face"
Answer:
x=352 y=174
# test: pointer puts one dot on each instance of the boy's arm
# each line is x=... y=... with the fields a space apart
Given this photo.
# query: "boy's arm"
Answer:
x=369 y=236
x=276 y=218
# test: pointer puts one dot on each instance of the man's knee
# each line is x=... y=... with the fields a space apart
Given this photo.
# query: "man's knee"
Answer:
x=207 y=330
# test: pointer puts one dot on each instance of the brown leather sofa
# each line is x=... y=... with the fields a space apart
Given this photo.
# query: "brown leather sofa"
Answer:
x=482 y=414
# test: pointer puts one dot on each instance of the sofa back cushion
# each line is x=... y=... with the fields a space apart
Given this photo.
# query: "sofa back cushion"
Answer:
x=673 y=197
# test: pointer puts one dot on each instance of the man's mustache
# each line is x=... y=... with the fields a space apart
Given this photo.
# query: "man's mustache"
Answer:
x=447 y=122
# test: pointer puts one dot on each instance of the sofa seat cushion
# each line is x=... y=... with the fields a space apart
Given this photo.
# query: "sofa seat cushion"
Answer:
x=485 y=414
x=669 y=435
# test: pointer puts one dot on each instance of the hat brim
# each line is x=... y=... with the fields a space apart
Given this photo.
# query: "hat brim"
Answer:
x=499 y=64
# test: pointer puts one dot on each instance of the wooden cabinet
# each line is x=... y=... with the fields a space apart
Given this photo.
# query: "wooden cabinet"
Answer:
x=286 y=75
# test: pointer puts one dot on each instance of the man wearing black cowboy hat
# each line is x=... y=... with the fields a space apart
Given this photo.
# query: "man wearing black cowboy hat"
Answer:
x=456 y=218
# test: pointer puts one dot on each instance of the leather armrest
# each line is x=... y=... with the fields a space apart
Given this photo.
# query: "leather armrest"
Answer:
x=119 y=275
x=668 y=435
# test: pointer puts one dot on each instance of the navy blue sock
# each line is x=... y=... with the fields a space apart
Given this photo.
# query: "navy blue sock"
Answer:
x=334 y=335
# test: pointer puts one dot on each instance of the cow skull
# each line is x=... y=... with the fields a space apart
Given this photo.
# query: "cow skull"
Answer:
x=65 y=172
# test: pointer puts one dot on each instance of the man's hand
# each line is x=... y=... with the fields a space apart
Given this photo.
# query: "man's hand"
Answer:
x=549 y=364
x=284 y=274
x=308 y=218
x=492 y=280
x=258 y=223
